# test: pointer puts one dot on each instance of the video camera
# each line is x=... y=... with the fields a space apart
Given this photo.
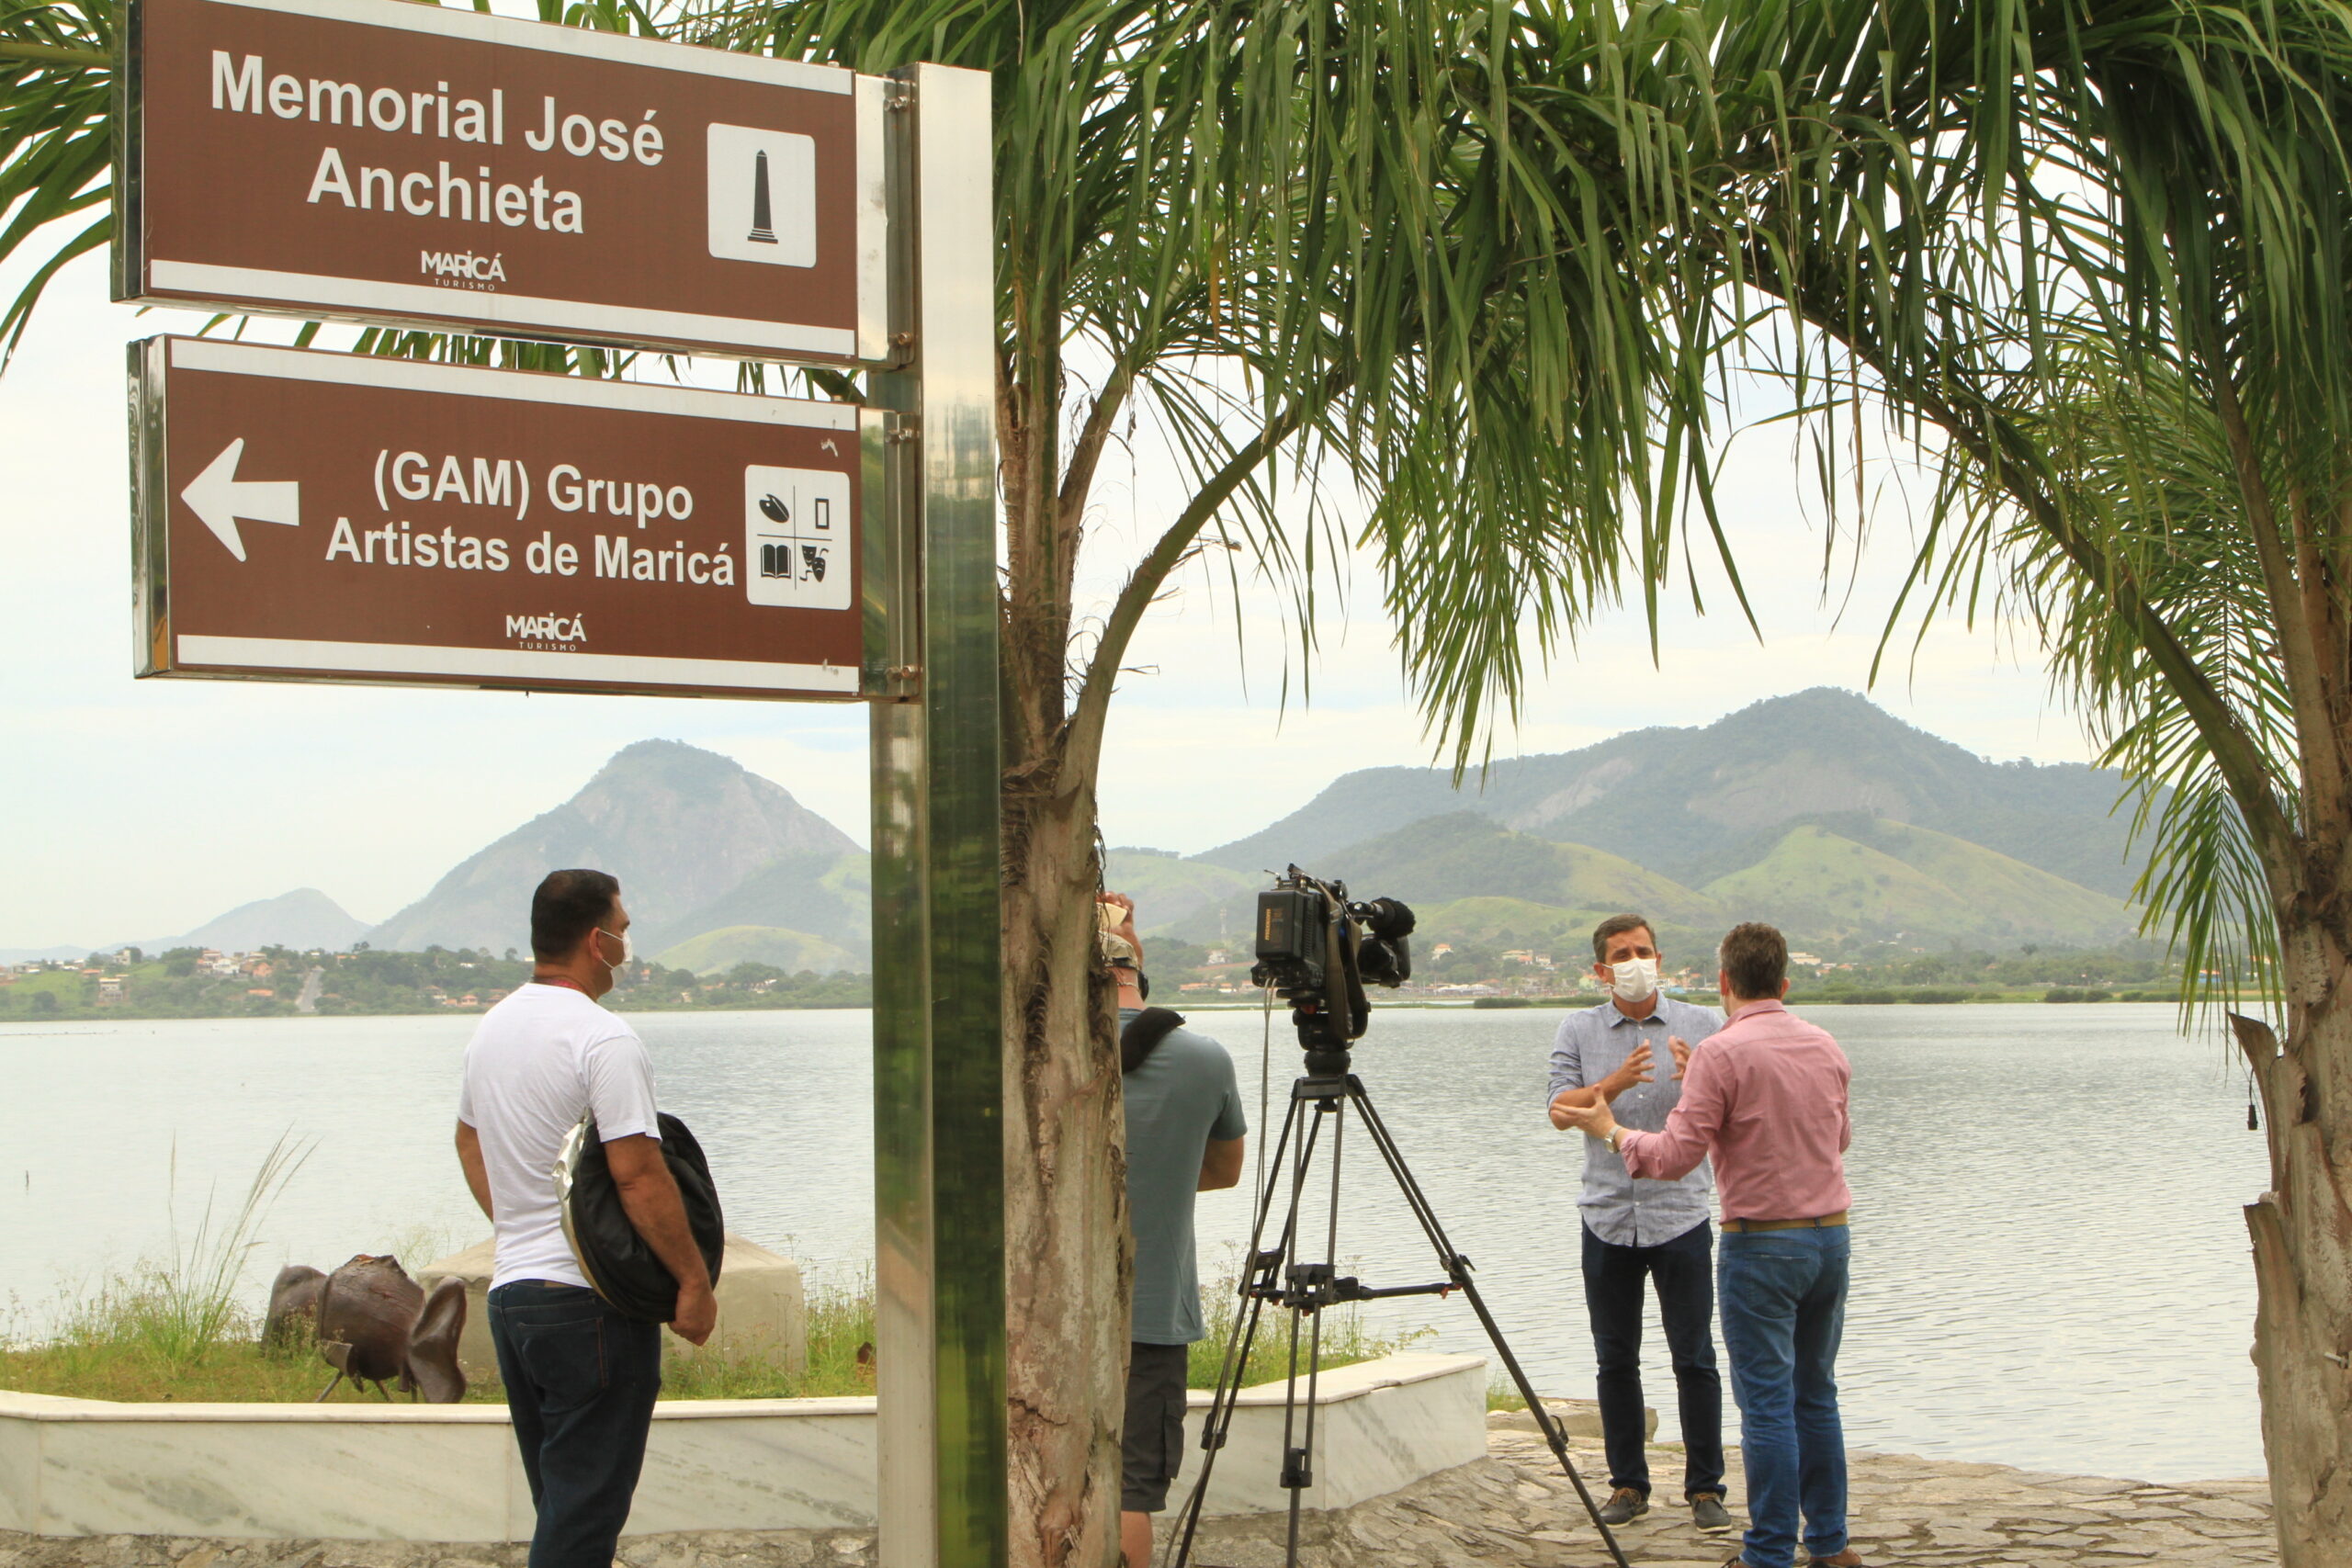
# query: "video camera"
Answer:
x=1316 y=949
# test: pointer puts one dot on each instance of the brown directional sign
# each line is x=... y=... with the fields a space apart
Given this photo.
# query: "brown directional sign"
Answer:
x=324 y=517
x=389 y=162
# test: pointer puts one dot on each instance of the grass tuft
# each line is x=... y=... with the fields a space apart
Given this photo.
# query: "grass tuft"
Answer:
x=172 y=1331
x=1346 y=1340
x=839 y=1362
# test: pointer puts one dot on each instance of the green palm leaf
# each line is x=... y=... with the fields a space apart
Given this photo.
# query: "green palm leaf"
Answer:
x=56 y=139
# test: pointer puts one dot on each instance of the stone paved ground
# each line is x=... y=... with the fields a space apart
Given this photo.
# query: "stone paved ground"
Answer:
x=1514 y=1509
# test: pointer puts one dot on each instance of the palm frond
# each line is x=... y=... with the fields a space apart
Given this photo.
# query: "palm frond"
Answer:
x=56 y=139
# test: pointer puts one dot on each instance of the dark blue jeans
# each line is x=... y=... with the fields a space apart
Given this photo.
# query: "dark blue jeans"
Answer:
x=581 y=1381
x=1682 y=1270
x=1784 y=1311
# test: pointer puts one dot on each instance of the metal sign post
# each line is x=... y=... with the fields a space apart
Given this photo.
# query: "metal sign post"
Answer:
x=311 y=516
x=938 y=1041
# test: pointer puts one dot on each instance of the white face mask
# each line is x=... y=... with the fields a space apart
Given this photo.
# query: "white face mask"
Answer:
x=621 y=937
x=1634 y=979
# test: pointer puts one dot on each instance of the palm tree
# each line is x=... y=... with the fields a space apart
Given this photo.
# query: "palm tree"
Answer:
x=2091 y=258
x=1486 y=267
x=1308 y=244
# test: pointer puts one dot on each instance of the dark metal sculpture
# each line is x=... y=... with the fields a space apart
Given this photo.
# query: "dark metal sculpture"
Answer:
x=374 y=1324
x=293 y=1307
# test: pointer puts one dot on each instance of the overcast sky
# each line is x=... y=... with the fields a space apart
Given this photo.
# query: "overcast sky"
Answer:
x=139 y=809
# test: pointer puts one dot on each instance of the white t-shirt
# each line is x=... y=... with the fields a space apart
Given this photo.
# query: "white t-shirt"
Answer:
x=539 y=1061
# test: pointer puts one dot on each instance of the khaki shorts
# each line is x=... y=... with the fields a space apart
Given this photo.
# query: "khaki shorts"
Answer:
x=1153 y=1448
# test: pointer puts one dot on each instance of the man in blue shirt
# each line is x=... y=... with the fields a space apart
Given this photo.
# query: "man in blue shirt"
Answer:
x=1638 y=1230
x=1185 y=1132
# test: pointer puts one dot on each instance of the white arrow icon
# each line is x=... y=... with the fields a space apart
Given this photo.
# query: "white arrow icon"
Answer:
x=219 y=498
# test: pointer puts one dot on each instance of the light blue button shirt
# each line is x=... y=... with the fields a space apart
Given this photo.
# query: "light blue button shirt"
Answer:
x=1623 y=1210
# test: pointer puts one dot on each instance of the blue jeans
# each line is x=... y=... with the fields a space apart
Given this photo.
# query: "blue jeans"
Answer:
x=1784 y=1310
x=581 y=1381
x=1681 y=1270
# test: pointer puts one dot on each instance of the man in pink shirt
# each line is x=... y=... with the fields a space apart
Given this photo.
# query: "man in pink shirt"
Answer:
x=1766 y=1096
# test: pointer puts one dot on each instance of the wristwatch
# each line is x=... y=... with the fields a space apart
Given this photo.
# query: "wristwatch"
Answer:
x=1614 y=1134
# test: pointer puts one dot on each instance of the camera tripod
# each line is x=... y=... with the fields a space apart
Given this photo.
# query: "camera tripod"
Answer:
x=1324 y=1096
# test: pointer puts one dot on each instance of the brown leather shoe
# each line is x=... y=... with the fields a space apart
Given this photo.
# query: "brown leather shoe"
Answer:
x=1849 y=1558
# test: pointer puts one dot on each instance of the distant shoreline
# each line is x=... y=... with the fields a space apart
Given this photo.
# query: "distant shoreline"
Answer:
x=22 y=1027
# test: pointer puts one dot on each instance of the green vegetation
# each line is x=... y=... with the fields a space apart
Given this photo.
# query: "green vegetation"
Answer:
x=173 y=1330
x=160 y=1336
x=131 y=1341
x=1346 y=1340
x=185 y=983
x=2130 y=972
x=774 y=947
x=1842 y=886
x=1830 y=887
x=746 y=987
x=179 y=985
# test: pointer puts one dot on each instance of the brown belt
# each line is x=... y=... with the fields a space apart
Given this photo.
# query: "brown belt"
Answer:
x=1741 y=1226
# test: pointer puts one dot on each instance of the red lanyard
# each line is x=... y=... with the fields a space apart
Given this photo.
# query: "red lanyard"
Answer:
x=565 y=981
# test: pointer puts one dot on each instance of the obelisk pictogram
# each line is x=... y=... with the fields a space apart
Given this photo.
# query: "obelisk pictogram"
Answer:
x=762 y=226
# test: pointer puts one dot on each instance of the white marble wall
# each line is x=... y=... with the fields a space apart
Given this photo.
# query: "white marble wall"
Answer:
x=1379 y=1426
x=449 y=1473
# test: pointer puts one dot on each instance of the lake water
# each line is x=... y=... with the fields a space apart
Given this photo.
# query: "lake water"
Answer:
x=2049 y=1265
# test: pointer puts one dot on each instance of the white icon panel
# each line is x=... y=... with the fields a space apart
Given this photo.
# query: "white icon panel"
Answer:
x=795 y=538
x=762 y=196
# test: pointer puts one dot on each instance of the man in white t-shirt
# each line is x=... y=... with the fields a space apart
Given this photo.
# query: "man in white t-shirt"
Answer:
x=580 y=1378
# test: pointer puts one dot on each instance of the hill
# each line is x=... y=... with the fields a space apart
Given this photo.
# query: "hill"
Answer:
x=1697 y=804
x=1818 y=811
x=716 y=952
x=1463 y=855
x=1839 y=879
x=681 y=827
x=1896 y=881
x=814 y=896
x=1170 y=892
x=303 y=918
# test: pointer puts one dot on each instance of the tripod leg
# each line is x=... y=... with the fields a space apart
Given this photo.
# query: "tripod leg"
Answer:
x=1457 y=1269
x=1298 y=1464
x=1267 y=1268
x=1237 y=1345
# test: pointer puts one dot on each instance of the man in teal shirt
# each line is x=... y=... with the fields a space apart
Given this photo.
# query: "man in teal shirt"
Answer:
x=1185 y=1130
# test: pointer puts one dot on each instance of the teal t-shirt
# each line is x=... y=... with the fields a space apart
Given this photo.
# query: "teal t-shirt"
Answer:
x=1182 y=1096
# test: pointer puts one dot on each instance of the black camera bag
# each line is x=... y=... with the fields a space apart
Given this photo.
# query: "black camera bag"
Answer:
x=620 y=1266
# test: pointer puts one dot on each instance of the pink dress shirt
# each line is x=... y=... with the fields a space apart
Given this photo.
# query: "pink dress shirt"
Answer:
x=1766 y=1094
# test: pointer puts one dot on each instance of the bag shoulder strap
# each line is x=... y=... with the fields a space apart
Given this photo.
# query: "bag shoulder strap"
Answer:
x=1143 y=1033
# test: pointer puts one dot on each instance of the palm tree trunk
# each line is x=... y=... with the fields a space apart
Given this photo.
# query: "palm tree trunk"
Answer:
x=1068 y=1259
x=2302 y=1252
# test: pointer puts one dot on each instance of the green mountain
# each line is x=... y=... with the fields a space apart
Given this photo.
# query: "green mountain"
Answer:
x=716 y=952
x=1817 y=811
x=1904 y=883
x=1469 y=865
x=303 y=918
x=1567 y=934
x=823 y=896
x=1832 y=878
x=1170 y=891
x=1464 y=855
x=686 y=831
x=1697 y=804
